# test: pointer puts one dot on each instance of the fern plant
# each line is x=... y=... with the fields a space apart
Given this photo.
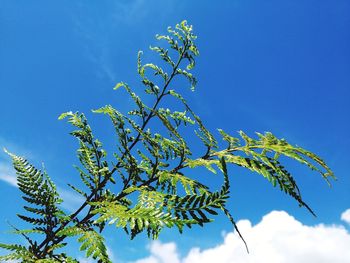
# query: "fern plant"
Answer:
x=145 y=187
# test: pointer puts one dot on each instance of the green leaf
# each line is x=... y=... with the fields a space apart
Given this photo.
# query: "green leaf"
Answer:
x=94 y=245
x=65 y=115
x=118 y=85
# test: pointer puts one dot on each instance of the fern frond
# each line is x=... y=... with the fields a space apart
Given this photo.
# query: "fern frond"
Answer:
x=154 y=191
x=94 y=245
x=38 y=190
x=170 y=181
x=91 y=242
x=27 y=231
x=41 y=195
x=207 y=163
x=262 y=156
x=18 y=253
x=148 y=215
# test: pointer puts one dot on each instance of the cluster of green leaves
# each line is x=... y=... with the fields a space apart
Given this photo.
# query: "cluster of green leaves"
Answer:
x=146 y=186
x=45 y=216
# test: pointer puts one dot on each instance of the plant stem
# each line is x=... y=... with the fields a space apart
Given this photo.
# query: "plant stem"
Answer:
x=54 y=238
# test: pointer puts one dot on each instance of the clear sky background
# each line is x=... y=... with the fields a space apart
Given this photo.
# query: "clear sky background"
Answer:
x=279 y=66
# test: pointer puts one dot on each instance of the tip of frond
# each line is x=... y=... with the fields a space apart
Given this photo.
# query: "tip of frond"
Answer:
x=308 y=208
x=241 y=237
x=328 y=175
x=64 y=115
x=7 y=152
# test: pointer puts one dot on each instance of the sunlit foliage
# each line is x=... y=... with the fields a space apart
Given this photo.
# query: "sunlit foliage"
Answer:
x=145 y=186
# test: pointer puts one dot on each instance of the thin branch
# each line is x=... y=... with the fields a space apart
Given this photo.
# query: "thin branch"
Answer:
x=90 y=198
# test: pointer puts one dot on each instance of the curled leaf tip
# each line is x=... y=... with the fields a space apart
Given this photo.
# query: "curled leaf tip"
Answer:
x=64 y=115
x=120 y=84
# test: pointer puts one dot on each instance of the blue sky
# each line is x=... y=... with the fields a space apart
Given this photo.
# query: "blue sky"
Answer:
x=279 y=66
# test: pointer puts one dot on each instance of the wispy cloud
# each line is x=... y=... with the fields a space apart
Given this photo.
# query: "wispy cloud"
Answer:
x=14 y=148
x=101 y=35
x=7 y=174
x=129 y=11
x=278 y=237
x=71 y=200
x=111 y=254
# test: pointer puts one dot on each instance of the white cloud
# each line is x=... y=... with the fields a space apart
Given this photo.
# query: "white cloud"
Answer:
x=277 y=238
x=345 y=216
x=161 y=253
